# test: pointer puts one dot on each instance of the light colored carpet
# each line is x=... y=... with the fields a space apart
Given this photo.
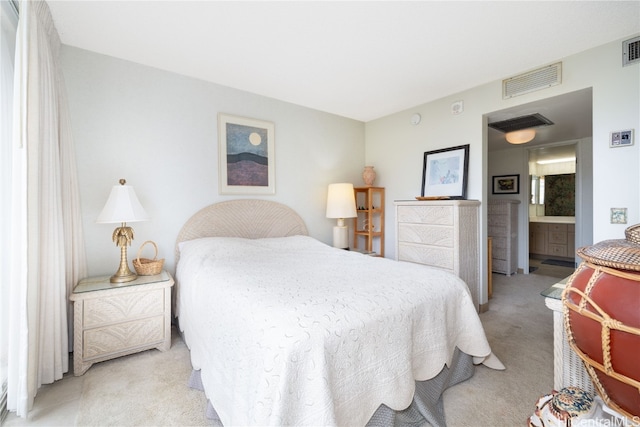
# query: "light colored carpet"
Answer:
x=520 y=330
x=145 y=389
x=150 y=388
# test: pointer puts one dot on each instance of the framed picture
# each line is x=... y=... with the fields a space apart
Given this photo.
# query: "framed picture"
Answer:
x=506 y=184
x=618 y=215
x=246 y=150
x=444 y=173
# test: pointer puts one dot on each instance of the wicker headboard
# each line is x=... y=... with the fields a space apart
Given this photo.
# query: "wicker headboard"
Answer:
x=248 y=218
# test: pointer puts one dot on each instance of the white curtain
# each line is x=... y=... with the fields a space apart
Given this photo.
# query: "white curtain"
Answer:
x=9 y=23
x=46 y=243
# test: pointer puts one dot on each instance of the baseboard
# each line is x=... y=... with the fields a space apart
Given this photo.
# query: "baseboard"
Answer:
x=543 y=257
x=484 y=307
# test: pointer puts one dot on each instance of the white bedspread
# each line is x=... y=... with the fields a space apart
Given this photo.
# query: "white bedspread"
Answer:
x=290 y=331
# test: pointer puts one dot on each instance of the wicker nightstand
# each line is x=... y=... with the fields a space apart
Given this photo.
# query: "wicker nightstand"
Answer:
x=568 y=369
x=112 y=321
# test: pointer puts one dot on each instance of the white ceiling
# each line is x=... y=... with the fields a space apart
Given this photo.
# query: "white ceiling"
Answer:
x=361 y=59
x=571 y=114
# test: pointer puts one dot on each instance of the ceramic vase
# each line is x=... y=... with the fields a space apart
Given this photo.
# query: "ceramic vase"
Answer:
x=602 y=322
x=368 y=175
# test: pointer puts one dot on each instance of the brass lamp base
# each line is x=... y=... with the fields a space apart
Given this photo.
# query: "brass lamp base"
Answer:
x=117 y=278
x=123 y=236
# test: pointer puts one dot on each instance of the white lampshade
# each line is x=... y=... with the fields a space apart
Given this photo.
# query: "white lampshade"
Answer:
x=520 y=136
x=341 y=204
x=341 y=201
x=122 y=206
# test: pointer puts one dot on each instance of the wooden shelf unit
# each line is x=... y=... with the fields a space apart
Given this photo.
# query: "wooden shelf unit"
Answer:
x=368 y=227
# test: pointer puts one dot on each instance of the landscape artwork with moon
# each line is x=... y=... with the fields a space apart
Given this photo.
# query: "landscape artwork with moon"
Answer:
x=247 y=155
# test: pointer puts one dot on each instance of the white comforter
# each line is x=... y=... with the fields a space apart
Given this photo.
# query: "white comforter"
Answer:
x=290 y=331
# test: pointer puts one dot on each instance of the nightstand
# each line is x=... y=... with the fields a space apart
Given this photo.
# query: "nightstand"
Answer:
x=113 y=320
x=568 y=369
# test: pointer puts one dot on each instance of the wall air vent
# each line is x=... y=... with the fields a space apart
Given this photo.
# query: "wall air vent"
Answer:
x=541 y=78
x=522 y=122
x=631 y=51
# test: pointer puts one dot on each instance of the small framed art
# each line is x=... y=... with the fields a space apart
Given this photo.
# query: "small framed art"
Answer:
x=618 y=215
x=246 y=155
x=506 y=184
x=444 y=173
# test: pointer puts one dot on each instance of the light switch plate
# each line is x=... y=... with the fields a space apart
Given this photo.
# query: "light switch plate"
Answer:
x=621 y=138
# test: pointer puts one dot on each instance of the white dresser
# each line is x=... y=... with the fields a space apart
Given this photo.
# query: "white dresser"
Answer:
x=502 y=217
x=443 y=234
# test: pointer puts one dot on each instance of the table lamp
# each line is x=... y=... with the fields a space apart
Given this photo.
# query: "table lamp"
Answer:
x=341 y=204
x=122 y=206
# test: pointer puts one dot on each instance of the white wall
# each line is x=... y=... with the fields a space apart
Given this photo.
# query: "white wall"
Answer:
x=158 y=130
x=395 y=147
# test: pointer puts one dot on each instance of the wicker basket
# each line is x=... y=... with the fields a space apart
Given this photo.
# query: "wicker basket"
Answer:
x=145 y=266
x=632 y=234
x=620 y=254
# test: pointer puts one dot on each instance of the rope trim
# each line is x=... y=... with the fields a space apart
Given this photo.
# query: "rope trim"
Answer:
x=607 y=324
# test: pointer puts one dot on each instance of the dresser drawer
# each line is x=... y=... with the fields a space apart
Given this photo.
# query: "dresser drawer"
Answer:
x=558 y=237
x=501 y=220
x=557 y=228
x=538 y=227
x=557 y=250
x=428 y=234
x=122 y=337
x=498 y=208
x=499 y=243
x=427 y=255
x=499 y=253
x=116 y=308
x=499 y=266
x=437 y=215
x=497 y=231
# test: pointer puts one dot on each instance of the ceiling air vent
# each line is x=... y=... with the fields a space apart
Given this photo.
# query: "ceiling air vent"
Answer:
x=630 y=51
x=522 y=122
x=541 y=78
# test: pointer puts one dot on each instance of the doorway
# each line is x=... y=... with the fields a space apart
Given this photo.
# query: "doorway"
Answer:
x=552 y=209
x=571 y=131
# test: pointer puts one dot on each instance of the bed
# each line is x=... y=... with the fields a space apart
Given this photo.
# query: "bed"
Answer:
x=285 y=330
